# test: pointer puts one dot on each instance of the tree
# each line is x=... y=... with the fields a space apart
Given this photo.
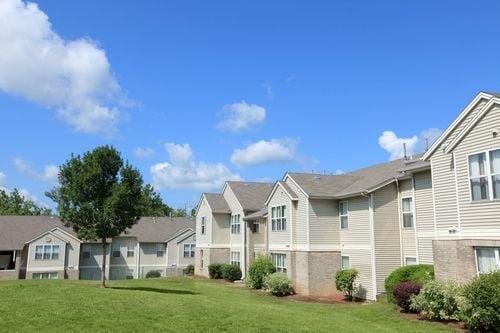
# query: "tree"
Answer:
x=153 y=204
x=99 y=196
x=14 y=203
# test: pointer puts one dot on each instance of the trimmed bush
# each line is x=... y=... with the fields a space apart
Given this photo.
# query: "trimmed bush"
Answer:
x=415 y=273
x=403 y=292
x=278 y=284
x=344 y=281
x=258 y=270
x=189 y=271
x=481 y=307
x=438 y=300
x=153 y=274
x=214 y=271
x=230 y=272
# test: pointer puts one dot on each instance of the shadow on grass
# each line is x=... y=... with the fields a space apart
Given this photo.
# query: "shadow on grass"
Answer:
x=156 y=290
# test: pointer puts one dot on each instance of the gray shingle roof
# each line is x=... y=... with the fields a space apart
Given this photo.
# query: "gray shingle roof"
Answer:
x=289 y=190
x=258 y=214
x=355 y=182
x=251 y=195
x=217 y=203
x=15 y=231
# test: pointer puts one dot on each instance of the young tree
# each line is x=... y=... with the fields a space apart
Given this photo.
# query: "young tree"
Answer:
x=14 y=203
x=99 y=196
x=153 y=204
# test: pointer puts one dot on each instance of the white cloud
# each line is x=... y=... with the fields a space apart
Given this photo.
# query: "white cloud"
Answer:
x=72 y=76
x=183 y=172
x=140 y=152
x=49 y=174
x=2 y=178
x=393 y=144
x=339 y=172
x=241 y=116
x=265 y=152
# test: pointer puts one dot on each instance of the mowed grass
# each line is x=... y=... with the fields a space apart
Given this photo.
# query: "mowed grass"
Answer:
x=183 y=305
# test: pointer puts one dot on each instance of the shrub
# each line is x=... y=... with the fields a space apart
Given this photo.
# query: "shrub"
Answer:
x=230 y=272
x=214 y=271
x=403 y=292
x=481 y=307
x=278 y=284
x=438 y=300
x=258 y=270
x=153 y=274
x=344 y=281
x=415 y=273
x=189 y=271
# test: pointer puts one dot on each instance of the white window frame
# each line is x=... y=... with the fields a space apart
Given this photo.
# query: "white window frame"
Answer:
x=45 y=276
x=47 y=251
x=279 y=260
x=488 y=175
x=497 y=257
x=160 y=250
x=203 y=225
x=278 y=218
x=412 y=212
x=410 y=257
x=130 y=250
x=86 y=248
x=346 y=215
x=342 y=257
x=235 y=257
x=188 y=250
x=235 y=224
x=116 y=253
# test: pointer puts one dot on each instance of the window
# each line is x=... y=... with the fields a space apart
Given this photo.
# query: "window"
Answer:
x=255 y=227
x=116 y=249
x=47 y=252
x=278 y=218
x=189 y=250
x=203 y=226
x=345 y=264
x=488 y=259
x=344 y=214
x=160 y=250
x=235 y=258
x=410 y=261
x=279 y=260
x=130 y=250
x=407 y=209
x=45 y=276
x=86 y=251
x=235 y=224
x=484 y=175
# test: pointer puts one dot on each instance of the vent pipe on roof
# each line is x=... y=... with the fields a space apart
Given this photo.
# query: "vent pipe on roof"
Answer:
x=426 y=144
x=404 y=150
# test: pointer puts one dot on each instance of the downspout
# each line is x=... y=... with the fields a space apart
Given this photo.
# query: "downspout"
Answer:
x=372 y=242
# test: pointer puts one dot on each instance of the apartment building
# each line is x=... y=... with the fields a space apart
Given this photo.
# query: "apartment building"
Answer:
x=40 y=247
x=465 y=163
x=224 y=234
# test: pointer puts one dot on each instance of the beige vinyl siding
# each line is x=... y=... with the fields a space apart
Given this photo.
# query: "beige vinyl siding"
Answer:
x=123 y=259
x=235 y=207
x=406 y=188
x=204 y=211
x=424 y=208
x=299 y=214
x=220 y=229
x=324 y=226
x=407 y=234
x=259 y=239
x=356 y=243
x=47 y=264
x=95 y=259
x=386 y=233
x=443 y=182
x=477 y=219
x=149 y=257
x=408 y=241
x=279 y=239
x=183 y=262
x=72 y=252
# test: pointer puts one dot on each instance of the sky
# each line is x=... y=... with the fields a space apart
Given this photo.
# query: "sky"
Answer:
x=194 y=93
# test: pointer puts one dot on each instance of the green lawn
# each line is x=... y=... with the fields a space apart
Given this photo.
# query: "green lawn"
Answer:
x=183 y=304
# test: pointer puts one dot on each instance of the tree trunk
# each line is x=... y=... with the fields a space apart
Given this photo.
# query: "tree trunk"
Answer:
x=103 y=268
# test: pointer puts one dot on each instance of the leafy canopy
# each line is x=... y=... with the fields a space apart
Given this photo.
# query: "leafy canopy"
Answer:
x=99 y=195
x=14 y=203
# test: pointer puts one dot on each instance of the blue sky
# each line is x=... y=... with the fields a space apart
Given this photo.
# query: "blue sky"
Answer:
x=234 y=89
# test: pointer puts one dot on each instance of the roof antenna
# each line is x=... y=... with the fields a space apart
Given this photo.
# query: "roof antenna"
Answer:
x=426 y=144
x=404 y=150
